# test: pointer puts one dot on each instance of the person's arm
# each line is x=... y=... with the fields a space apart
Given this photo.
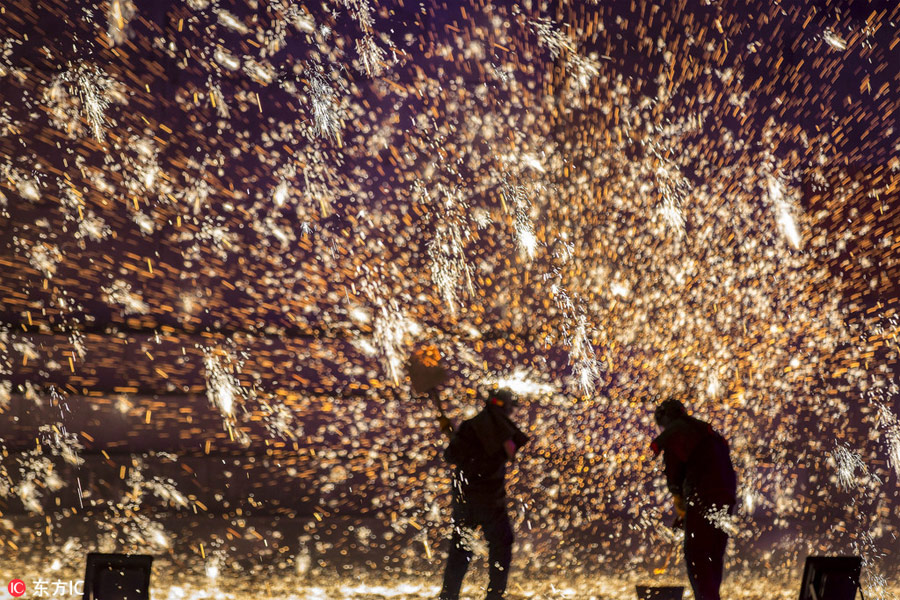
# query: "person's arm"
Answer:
x=519 y=438
x=510 y=447
x=456 y=449
x=675 y=465
x=516 y=440
x=675 y=454
x=675 y=472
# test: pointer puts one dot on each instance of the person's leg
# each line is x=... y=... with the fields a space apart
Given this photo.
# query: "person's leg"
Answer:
x=691 y=552
x=458 y=557
x=704 y=551
x=718 y=542
x=499 y=535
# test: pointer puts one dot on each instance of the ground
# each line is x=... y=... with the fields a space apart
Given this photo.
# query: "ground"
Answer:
x=170 y=585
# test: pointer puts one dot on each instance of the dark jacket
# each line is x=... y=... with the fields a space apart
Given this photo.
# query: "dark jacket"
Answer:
x=697 y=462
x=476 y=449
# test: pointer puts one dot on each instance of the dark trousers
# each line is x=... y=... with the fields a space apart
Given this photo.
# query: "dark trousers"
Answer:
x=494 y=522
x=704 y=552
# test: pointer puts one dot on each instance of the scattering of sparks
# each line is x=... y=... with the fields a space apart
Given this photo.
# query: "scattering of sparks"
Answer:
x=228 y=227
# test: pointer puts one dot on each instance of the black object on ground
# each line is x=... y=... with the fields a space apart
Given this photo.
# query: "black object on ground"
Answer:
x=830 y=578
x=117 y=577
x=669 y=592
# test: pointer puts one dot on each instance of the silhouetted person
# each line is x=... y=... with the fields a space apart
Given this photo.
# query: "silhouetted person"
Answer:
x=480 y=449
x=704 y=486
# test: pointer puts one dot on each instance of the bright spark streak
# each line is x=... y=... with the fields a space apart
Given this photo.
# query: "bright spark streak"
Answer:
x=519 y=383
x=835 y=41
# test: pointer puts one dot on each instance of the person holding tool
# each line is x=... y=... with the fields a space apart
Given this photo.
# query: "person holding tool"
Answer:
x=703 y=484
x=479 y=449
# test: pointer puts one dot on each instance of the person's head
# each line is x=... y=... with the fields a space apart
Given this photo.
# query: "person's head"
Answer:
x=502 y=399
x=669 y=410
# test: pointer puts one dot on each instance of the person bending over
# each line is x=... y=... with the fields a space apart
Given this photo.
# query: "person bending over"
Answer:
x=703 y=484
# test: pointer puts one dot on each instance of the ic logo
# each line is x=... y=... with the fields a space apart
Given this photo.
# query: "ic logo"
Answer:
x=16 y=588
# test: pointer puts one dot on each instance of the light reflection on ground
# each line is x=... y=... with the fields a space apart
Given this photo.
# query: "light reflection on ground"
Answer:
x=168 y=585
